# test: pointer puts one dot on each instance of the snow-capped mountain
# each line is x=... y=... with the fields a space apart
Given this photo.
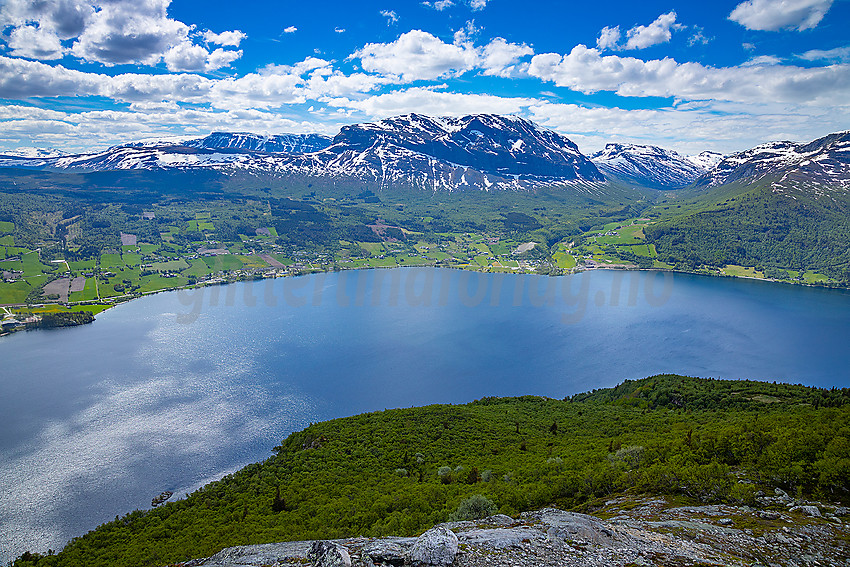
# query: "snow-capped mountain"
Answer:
x=481 y=151
x=277 y=144
x=473 y=152
x=505 y=146
x=242 y=141
x=651 y=166
x=823 y=162
x=707 y=160
x=33 y=153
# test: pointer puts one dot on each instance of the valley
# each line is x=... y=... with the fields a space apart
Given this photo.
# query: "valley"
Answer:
x=84 y=232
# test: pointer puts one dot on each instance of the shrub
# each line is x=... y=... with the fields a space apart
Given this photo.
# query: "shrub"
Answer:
x=445 y=474
x=474 y=508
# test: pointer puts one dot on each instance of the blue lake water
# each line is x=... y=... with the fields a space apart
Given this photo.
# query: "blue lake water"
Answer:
x=176 y=389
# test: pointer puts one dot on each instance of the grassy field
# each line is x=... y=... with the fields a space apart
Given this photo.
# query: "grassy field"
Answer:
x=89 y=292
x=252 y=261
x=147 y=249
x=564 y=259
x=742 y=272
x=198 y=268
x=111 y=261
x=132 y=259
x=78 y=266
x=6 y=226
x=647 y=250
x=225 y=262
x=812 y=277
x=170 y=266
x=15 y=292
x=286 y=261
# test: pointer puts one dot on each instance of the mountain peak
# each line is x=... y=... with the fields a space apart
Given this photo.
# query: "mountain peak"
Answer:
x=650 y=166
x=511 y=148
x=824 y=162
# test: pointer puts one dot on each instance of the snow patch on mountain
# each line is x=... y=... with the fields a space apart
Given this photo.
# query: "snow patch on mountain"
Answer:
x=651 y=166
x=824 y=162
x=707 y=160
x=478 y=152
x=33 y=153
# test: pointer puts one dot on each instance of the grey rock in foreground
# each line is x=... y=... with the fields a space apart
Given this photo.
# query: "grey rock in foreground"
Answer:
x=642 y=531
x=329 y=554
x=437 y=546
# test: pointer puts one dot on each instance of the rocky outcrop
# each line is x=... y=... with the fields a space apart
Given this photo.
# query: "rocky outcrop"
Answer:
x=329 y=554
x=437 y=546
x=381 y=552
x=625 y=531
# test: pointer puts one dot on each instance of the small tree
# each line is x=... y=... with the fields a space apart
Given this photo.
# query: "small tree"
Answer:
x=278 y=504
x=445 y=474
x=474 y=508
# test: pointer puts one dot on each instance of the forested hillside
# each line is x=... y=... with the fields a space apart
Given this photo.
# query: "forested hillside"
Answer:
x=400 y=471
x=758 y=227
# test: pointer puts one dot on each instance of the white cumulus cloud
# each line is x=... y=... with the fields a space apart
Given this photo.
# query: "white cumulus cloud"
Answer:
x=35 y=43
x=641 y=37
x=111 y=32
x=228 y=38
x=587 y=70
x=774 y=15
x=418 y=55
x=432 y=101
x=502 y=58
x=609 y=38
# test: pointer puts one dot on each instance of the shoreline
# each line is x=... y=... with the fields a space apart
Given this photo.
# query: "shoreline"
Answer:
x=105 y=305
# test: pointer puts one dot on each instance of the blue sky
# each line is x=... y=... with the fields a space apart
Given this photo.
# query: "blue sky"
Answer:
x=724 y=76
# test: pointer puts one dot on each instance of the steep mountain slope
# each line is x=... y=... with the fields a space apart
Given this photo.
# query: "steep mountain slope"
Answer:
x=498 y=145
x=279 y=144
x=651 y=166
x=780 y=205
x=823 y=163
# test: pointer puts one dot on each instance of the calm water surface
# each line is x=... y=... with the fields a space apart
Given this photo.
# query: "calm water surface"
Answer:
x=173 y=390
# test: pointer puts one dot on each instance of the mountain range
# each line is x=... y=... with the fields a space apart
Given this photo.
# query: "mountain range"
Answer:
x=476 y=152
x=654 y=167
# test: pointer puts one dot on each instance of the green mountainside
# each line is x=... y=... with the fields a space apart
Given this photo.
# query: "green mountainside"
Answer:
x=754 y=225
x=401 y=471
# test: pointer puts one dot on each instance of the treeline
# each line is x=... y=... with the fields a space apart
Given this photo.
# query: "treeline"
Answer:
x=401 y=471
x=62 y=319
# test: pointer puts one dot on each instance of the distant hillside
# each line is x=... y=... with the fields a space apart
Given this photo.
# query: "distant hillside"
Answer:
x=780 y=206
x=401 y=471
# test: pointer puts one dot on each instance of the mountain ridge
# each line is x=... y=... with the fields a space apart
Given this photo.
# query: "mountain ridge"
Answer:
x=475 y=152
x=653 y=166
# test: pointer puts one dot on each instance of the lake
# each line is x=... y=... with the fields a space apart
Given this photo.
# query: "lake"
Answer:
x=173 y=390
